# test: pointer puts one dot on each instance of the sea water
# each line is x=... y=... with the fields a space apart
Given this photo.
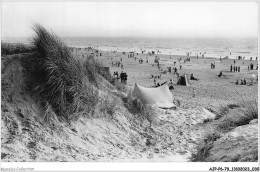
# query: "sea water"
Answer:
x=210 y=47
x=215 y=48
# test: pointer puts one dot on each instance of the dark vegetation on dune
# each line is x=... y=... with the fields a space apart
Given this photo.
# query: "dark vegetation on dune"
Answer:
x=60 y=82
x=15 y=48
x=228 y=117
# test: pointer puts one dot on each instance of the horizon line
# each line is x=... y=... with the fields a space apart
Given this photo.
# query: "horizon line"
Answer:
x=163 y=37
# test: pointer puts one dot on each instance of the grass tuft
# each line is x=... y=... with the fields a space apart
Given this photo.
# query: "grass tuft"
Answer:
x=60 y=76
x=204 y=147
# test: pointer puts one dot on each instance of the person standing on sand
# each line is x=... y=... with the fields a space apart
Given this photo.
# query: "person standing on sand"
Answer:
x=125 y=78
x=121 y=76
x=234 y=68
x=244 y=81
x=251 y=66
x=238 y=69
x=231 y=68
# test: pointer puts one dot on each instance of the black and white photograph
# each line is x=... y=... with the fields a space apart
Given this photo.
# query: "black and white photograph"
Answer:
x=129 y=82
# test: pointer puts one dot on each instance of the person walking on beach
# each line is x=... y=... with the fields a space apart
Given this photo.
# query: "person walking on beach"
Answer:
x=122 y=67
x=231 y=68
x=238 y=69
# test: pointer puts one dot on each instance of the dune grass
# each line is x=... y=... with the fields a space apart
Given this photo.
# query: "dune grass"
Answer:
x=61 y=80
x=15 y=48
x=224 y=123
x=204 y=147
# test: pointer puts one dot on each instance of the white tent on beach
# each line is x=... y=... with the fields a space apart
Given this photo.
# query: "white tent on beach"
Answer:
x=160 y=96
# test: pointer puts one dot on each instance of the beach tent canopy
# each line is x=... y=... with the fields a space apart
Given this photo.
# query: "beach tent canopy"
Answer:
x=160 y=96
x=184 y=80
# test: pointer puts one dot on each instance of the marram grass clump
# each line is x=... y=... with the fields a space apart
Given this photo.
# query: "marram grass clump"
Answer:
x=60 y=76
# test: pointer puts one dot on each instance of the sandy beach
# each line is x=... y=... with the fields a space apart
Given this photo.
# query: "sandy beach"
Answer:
x=211 y=90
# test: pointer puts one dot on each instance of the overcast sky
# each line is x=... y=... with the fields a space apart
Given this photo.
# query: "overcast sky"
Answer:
x=149 y=19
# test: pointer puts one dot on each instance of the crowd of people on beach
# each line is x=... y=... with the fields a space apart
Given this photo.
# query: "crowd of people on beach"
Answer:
x=118 y=64
x=242 y=82
x=122 y=77
x=157 y=79
x=234 y=68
